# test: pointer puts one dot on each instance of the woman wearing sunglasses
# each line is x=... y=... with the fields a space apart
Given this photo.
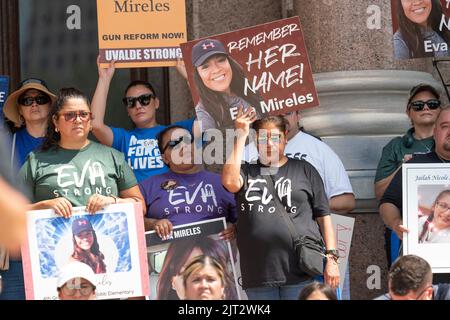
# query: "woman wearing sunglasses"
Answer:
x=27 y=108
x=71 y=170
x=139 y=144
x=275 y=183
x=186 y=193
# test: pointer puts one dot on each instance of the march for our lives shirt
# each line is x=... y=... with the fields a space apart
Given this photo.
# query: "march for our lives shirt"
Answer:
x=188 y=198
x=141 y=150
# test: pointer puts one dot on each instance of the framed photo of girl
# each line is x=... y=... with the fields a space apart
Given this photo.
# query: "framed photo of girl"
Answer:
x=111 y=242
x=265 y=67
x=426 y=213
x=421 y=28
x=193 y=264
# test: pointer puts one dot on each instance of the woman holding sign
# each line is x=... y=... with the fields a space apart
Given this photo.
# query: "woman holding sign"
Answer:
x=269 y=193
x=220 y=83
x=420 y=33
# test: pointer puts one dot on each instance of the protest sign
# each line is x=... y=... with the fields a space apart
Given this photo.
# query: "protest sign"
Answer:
x=4 y=85
x=141 y=33
x=265 y=66
x=421 y=28
x=426 y=213
x=118 y=245
x=343 y=228
x=169 y=258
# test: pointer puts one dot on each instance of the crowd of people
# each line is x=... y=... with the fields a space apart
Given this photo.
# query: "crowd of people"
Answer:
x=279 y=179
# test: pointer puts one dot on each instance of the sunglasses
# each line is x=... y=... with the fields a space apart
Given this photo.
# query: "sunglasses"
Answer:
x=28 y=101
x=419 y=105
x=187 y=139
x=72 y=115
x=144 y=100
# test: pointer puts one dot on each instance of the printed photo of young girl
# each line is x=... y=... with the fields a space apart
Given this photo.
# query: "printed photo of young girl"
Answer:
x=220 y=83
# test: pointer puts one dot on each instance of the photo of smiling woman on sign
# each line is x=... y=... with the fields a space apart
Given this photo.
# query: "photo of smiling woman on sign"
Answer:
x=422 y=29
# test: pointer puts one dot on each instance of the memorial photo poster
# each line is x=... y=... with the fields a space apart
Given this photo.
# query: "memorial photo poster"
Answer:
x=141 y=33
x=265 y=67
x=115 y=236
x=169 y=259
x=426 y=213
x=421 y=29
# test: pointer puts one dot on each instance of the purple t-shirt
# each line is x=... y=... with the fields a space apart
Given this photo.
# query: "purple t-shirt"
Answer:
x=187 y=198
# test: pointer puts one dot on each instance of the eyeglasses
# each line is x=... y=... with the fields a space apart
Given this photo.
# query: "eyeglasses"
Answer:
x=84 y=289
x=28 y=101
x=264 y=138
x=144 y=100
x=443 y=206
x=419 y=105
x=72 y=115
x=186 y=139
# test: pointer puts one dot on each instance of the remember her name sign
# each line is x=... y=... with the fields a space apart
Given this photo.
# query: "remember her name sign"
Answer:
x=266 y=67
x=118 y=245
x=141 y=33
x=426 y=213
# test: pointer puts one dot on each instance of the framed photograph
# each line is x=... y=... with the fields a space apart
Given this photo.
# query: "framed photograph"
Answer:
x=114 y=237
x=173 y=273
x=426 y=213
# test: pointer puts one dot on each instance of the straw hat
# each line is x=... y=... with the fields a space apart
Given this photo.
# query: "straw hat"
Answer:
x=11 y=107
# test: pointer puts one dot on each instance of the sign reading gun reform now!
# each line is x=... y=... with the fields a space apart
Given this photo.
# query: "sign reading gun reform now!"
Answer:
x=141 y=33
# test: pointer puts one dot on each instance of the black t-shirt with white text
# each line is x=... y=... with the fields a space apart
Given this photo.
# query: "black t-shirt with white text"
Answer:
x=265 y=244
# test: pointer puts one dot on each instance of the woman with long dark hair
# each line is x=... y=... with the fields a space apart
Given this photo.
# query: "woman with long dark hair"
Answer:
x=85 y=245
x=180 y=254
x=419 y=33
x=435 y=228
x=220 y=83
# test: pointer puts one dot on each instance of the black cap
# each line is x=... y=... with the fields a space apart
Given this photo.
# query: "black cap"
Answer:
x=204 y=49
x=422 y=87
